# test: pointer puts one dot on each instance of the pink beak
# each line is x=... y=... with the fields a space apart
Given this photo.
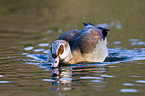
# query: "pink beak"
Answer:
x=55 y=62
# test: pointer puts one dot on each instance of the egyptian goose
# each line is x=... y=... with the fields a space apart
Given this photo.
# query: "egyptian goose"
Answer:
x=76 y=46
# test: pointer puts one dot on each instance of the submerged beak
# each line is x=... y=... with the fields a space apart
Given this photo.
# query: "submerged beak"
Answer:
x=55 y=62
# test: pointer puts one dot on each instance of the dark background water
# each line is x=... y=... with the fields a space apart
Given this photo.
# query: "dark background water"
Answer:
x=26 y=24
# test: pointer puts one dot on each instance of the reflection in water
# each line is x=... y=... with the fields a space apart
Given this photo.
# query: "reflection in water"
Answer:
x=5 y=81
x=130 y=84
x=48 y=80
x=91 y=78
x=38 y=50
x=43 y=44
x=28 y=48
x=129 y=90
x=135 y=76
x=140 y=81
x=119 y=25
x=63 y=78
x=107 y=76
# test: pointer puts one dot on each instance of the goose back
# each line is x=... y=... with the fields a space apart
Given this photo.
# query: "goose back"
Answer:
x=69 y=36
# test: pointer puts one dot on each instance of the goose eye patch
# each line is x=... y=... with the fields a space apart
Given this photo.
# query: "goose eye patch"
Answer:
x=61 y=49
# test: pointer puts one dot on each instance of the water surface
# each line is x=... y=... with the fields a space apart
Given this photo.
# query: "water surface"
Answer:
x=28 y=28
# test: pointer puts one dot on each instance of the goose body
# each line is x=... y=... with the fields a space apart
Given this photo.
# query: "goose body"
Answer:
x=76 y=46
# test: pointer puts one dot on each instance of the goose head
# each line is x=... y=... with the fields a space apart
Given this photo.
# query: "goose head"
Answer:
x=60 y=52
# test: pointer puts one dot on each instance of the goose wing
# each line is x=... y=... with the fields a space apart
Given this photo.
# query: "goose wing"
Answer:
x=91 y=45
x=88 y=39
x=69 y=36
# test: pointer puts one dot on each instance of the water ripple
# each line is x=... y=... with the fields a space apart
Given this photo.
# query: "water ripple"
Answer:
x=38 y=50
x=43 y=44
x=28 y=48
x=115 y=56
x=140 y=81
x=51 y=80
x=128 y=84
x=107 y=76
x=5 y=81
x=129 y=90
x=98 y=81
x=91 y=78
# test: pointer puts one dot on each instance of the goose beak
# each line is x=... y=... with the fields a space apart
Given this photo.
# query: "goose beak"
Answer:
x=55 y=62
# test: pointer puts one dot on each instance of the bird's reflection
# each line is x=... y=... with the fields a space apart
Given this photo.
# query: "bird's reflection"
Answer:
x=62 y=77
